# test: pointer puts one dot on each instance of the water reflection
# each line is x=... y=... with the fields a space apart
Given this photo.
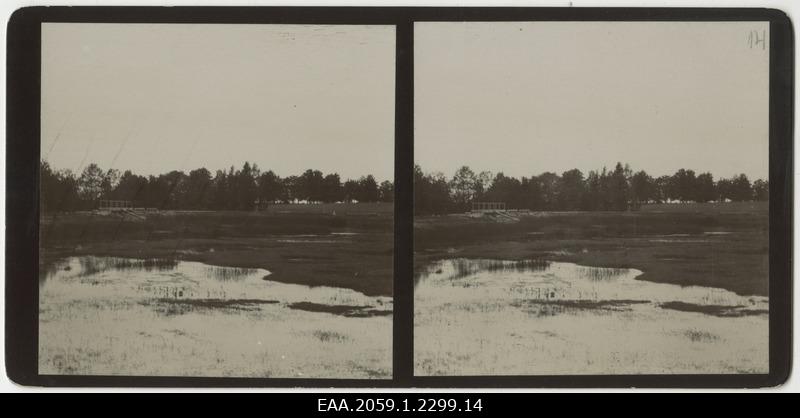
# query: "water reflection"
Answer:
x=94 y=265
x=50 y=268
x=231 y=273
x=90 y=265
x=459 y=268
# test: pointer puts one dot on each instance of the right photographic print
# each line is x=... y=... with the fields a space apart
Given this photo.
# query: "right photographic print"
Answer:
x=591 y=198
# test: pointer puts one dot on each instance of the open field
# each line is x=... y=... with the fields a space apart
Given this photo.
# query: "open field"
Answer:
x=704 y=245
x=378 y=208
x=352 y=250
x=710 y=207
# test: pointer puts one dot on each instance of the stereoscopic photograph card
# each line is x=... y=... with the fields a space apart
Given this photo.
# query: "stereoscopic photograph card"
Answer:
x=399 y=197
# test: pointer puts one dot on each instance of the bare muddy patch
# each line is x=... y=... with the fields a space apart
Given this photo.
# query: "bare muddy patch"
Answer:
x=722 y=311
x=182 y=306
x=679 y=241
x=556 y=307
x=343 y=310
x=308 y=241
x=678 y=257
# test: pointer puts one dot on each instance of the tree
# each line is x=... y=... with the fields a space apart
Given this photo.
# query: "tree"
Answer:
x=463 y=187
x=482 y=183
x=270 y=188
x=741 y=189
x=292 y=188
x=311 y=186
x=572 y=189
x=549 y=184
x=507 y=190
x=664 y=191
x=724 y=190
x=367 y=189
x=704 y=188
x=168 y=191
x=421 y=204
x=618 y=189
x=227 y=190
x=431 y=193
x=761 y=190
x=131 y=187
x=331 y=188
x=684 y=185
x=531 y=191
x=643 y=189
x=439 y=193
x=245 y=186
x=593 y=198
x=386 y=191
x=58 y=190
x=351 y=190
x=49 y=185
x=219 y=191
x=90 y=183
x=109 y=183
x=198 y=186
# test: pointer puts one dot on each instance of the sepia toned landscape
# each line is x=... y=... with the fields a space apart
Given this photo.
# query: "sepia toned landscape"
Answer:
x=590 y=198
x=584 y=293
x=182 y=232
x=605 y=207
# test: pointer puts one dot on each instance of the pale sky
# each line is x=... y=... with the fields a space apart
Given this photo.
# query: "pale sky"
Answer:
x=524 y=98
x=159 y=97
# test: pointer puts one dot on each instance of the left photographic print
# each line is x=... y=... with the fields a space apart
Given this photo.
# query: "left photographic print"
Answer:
x=216 y=200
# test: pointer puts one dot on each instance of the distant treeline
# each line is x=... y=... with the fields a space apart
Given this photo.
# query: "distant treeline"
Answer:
x=243 y=189
x=612 y=190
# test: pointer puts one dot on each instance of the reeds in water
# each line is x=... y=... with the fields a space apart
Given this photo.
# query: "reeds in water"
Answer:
x=230 y=273
x=601 y=273
x=94 y=265
x=50 y=268
x=465 y=267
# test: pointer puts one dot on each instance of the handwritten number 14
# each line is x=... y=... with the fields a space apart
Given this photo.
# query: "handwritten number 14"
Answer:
x=757 y=38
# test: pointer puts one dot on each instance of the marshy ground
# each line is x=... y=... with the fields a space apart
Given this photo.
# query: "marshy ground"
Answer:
x=217 y=294
x=715 y=245
x=657 y=291
x=352 y=249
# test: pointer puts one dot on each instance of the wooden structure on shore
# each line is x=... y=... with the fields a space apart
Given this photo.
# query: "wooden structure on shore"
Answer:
x=488 y=206
x=115 y=205
x=123 y=208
